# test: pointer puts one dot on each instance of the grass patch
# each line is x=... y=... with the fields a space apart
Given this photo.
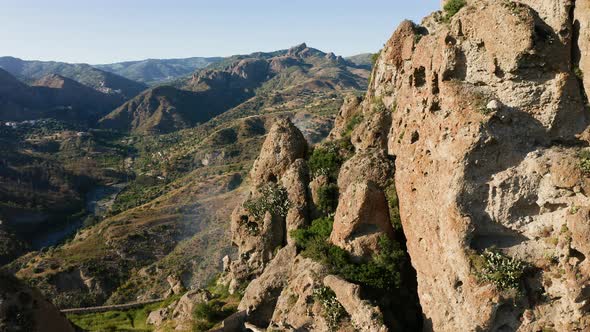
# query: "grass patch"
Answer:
x=126 y=320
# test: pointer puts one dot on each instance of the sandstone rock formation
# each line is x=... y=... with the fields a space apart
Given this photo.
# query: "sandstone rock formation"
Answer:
x=280 y=165
x=365 y=317
x=472 y=176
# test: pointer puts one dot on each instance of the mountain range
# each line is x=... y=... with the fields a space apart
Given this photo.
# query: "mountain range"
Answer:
x=156 y=71
x=100 y=80
x=52 y=96
x=274 y=78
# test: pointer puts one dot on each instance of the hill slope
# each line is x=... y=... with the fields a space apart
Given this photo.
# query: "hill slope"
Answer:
x=52 y=96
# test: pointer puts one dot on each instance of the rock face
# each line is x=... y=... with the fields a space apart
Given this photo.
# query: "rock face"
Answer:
x=486 y=126
x=24 y=309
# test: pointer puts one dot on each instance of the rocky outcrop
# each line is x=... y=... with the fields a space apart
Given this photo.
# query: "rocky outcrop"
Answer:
x=361 y=218
x=280 y=167
x=349 y=109
x=261 y=295
x=371 y=165
x=485 y=136
x=484 y=128
x=24 y=309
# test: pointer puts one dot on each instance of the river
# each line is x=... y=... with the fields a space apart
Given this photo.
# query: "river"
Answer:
x=98 y=202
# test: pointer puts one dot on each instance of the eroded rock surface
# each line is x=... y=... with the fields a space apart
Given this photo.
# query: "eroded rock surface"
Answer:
x=485 y=127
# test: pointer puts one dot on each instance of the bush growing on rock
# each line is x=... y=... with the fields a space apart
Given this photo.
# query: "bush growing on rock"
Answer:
x=503 y=271
x=328 y=198
x=333 y=311
x=375 y=57
x=273 y=198
x=382 y=272
x=584 y=157
x=393 y=203
x=327 y=159
x=352 y=123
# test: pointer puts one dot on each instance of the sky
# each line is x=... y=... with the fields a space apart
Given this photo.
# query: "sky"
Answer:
x=106 y=31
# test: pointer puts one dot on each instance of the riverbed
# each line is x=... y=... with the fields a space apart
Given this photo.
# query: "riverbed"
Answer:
x=98 y=202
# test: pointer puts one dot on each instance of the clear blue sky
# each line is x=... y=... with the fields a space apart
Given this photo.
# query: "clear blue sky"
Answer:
x=104 y=31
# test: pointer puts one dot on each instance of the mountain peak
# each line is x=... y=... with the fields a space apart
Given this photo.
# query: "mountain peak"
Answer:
x=296 y=50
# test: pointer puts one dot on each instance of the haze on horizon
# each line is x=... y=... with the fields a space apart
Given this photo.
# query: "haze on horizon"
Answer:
x=113 y=30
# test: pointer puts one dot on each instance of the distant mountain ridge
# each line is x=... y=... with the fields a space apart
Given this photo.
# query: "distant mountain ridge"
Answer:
x=53 y=96
x=154 y=71
x=97 y=79
x=273 y=78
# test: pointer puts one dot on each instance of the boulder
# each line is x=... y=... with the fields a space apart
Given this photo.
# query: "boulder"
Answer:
x=295 y=181
x=260 y=297
x=183 y=312
x=364 y=316
x=157 y=317
x=371 y=165
x=361 y=218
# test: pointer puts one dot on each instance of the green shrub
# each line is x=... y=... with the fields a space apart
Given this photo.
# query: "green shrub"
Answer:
x=584 y=157
x=393 y=202
x=378 y=106
x=319 y=229
x=325 y=160
x=273 y=198
x=579 y=73
x=503 y=271
x=332 y=311
x=375 y=57
x=452 y=7
x=328 y=198
x=381 y=272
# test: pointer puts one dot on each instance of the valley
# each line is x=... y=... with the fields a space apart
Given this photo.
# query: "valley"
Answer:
x=146 y=192
x=439 y=184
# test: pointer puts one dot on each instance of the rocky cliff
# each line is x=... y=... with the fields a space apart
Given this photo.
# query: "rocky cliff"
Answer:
x=469 y=151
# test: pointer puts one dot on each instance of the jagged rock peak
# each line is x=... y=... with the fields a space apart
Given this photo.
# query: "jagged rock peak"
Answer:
x=284 y=144
x=296 y=50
